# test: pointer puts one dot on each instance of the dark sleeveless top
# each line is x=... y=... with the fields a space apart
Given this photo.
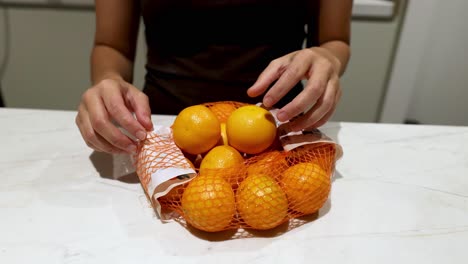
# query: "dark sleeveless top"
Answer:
x=214 y=50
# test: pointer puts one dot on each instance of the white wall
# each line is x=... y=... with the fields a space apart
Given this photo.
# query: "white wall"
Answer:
x=49 y=52
x=430 y=80
x=441 y=86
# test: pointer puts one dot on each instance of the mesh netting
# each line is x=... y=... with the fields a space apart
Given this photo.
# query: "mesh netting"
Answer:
x=263 y=192
x=222 y=110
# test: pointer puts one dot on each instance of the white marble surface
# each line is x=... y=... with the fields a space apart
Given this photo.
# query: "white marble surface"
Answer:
x=400 y=195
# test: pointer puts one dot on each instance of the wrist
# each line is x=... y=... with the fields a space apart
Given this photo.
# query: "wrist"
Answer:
x=338 y=53
x=110 y=76
x=335 y=60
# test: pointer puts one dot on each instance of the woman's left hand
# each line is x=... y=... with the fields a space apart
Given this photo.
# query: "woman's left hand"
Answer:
x=317 y=102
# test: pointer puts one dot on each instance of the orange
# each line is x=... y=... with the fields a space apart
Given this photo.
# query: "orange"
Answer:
x=323 y=154
x=208 y=203
x=190 y=163
x=223 y=140
x=223 y=110
x=222 y=157
x=261 y=202
x=276 y=145
x=251 y=129
x=307 y=186
x=272 y=164
x=196 y=129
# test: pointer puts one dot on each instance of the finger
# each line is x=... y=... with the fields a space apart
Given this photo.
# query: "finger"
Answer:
x=85 y=136
x=139 y=103
x=102 y=125
x=293 y=74
x=118 y=111
x=330 y=113
x=107 y=147
x=314 y=89
x=85 y=128
x=319 y=110
x=91 y=139
x=271 y=73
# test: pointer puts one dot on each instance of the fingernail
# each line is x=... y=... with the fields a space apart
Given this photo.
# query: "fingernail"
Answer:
x=152 y=126
x=141 y=135
x=282 y=116
x=268 y=101
x=131 y=148
x=148 y=121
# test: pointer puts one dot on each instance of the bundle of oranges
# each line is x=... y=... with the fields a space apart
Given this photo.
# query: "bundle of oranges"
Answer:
x=244 y=178
x=250 y=129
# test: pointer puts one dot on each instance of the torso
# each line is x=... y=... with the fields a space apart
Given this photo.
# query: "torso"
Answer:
x=204 y=51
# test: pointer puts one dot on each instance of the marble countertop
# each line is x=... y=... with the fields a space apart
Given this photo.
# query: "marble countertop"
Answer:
x=399 y=195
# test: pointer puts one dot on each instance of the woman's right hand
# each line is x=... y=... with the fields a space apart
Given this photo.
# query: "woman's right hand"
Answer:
x=109 y=103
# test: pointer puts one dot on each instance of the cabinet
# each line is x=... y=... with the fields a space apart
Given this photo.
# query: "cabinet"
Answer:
x=373 y=41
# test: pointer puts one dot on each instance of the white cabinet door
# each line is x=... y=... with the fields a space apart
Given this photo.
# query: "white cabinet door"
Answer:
x=364 y=83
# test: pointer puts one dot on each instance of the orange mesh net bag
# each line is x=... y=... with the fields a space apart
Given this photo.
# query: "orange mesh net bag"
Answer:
x=288 y=180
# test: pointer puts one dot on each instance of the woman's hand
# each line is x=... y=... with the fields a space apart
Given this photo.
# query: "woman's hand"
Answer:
x=317 y=102
x=109 y=102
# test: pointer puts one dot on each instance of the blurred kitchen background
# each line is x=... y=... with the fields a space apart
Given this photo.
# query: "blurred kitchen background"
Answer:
x=408 y=63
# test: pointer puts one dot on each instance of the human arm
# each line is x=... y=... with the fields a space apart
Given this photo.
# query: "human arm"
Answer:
x=112 y=99
x=321 y=66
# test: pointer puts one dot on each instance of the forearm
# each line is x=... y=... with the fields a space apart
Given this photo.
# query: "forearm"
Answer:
x=341 y=51
x=335 y=31
x=107 y=62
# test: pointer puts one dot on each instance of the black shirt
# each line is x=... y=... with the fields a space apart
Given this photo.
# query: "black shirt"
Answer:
x=205 y=51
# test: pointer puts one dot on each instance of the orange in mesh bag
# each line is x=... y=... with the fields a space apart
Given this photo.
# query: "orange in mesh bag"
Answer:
x=233 y=189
